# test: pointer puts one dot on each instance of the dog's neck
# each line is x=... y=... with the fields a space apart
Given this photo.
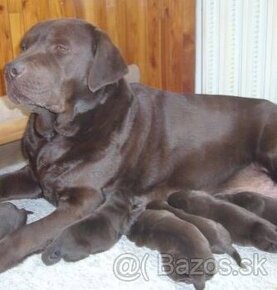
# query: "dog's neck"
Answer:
x=44 y=122
x=96 y=114
x=89 y=115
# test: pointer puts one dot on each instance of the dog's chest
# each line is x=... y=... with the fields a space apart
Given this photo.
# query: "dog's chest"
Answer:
x=61 y=165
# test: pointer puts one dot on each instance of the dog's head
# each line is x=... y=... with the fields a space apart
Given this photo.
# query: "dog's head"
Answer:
x=61 y=59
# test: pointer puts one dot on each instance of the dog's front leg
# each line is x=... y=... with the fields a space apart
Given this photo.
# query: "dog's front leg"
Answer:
x=74 y=205
x=19 y=184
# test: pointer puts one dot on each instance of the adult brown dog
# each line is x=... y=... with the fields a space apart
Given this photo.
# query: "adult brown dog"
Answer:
x=90 y=130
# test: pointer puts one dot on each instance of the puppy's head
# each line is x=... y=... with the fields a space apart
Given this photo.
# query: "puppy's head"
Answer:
x=62 y=59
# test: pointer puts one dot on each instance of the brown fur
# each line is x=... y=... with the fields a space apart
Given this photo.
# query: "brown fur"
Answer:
x=11 y=218
x=263 y=206
x=245 y=228
x=163 y=231
x=219 y=238
x=96 y=233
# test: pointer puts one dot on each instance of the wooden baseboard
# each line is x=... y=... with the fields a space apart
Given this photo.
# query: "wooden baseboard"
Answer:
x=12 y=130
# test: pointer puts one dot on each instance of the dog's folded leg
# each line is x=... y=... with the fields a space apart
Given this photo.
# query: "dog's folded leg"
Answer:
x=96 y=233
x=91 y=235
x=19 y=184
x=75 y=204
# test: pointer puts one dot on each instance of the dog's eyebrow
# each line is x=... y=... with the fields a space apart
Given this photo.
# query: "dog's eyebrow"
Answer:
x=27 y=41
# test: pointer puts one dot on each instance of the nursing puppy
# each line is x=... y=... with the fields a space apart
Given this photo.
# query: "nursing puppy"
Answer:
x=246 y=228
x=96 y=233
x=162 y=231
x=11 y=218
x=218 y=237
x=261 y=205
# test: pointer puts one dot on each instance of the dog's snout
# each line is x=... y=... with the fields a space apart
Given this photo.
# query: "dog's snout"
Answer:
x=15 y=70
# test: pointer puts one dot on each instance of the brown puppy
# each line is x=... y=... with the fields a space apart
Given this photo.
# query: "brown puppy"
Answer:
x=96 y=233
x=163 y=231
x=263 y=206
x=245 y=228
x=11 y=218
x=218 y=237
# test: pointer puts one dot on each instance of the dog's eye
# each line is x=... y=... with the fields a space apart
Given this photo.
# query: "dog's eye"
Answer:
x=62 y=48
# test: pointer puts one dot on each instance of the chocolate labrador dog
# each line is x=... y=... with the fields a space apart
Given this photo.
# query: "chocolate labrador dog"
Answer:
x=90 y=130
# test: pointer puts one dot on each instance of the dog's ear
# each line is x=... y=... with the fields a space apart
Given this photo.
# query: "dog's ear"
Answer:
x=108 y=65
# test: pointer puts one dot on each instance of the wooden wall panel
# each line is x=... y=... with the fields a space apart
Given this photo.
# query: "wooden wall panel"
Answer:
x=153 y=42
x=5 y=40
x=158 y=35
x=178 y=45
x=68 y=8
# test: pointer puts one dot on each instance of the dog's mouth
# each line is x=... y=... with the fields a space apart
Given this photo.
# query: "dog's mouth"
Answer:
x=14 y=93
x=17 y=96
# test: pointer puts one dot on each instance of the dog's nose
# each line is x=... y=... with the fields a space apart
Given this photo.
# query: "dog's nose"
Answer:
x=15 y=69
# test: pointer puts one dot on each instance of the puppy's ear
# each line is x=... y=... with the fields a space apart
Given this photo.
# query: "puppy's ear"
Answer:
x=108 y=65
